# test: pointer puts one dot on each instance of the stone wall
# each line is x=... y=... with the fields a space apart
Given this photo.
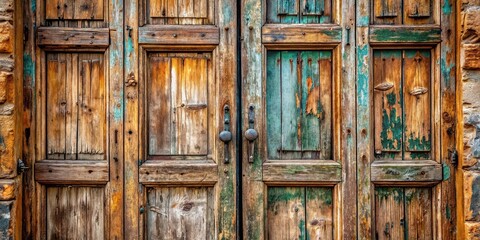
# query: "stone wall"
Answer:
x=470 y=77
x=10 y=113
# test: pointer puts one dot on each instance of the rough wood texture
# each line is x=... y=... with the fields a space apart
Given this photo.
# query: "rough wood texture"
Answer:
x=403 y=213
x=75 y=213
x=175 y=172
x=294 y=172
x=180 y=12
x=180 y=213
x=71 y=172
x=387 y=35
x=299 y=11
x=74 y=9
x=304 y=34
x=178 y=104
x=303 y=81
x=300 y=213
x=192 y=35
x=406 y=172
x=76 y=102
x=73 y=38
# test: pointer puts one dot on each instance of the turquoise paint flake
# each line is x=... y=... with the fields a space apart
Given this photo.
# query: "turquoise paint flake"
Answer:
x=446 y=171
x=447 y=7
x=362 y=53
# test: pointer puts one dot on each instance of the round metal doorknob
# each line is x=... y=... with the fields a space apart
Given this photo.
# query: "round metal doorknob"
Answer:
x=251 y=134
x=225 y=136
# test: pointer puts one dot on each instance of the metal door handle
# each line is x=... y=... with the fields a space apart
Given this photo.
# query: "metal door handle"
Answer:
x=251 y=134
x=226 y=136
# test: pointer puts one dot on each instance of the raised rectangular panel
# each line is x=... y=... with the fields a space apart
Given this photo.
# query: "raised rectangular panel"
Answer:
x=180 y=213
x=178 y=86
x=180 y=11
x=387 y=11
x=299 y=104
x=76 y=113
x=75 y=213
x=74 y=9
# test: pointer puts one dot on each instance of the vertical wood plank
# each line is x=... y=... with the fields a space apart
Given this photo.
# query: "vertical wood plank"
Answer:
x=291 y=106
x=448 y=117
x=311 y=10
x=288 y=11
x=192 y=111
x=71 y=110
x=56 y=105
x=200 y=8
x=159 y=106
x=388 y=12
x=312 y=109
x=157 y=213
x=418 y=211
x=319 y=213
x=417 y=111
x=274 y=104
x=389 y=213
x=286 y=213
x=388 y=101
x=88 y=9
x=272 y=11
x=417 y=12
x=326 y=95
x=91 y=114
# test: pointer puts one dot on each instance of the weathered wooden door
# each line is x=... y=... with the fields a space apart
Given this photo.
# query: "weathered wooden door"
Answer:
x=352 y=107
x=180 y=67
x=130 y=101
x=77 y=73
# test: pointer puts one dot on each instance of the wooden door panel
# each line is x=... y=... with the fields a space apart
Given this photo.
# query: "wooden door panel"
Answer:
x=74 y=9
x=180 y=12
x=76 y=187
x=294 y=92
x=75 y=213
x=404 y=169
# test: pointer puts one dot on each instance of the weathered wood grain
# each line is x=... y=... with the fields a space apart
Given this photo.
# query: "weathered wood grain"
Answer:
x=191 y=35
x=301 y=34
x=417 y=107
x=73 y=38
x=74 y=9
x=299 y=11
x=179 y=213
x=388 y=103
x=387 y=12
x=286 y=213
x=389 y=213
x=75 y=213
x=180 y=11
x=423 y=172
x=419 y=213
x=71 y=172
x=411 y=35
x=178 y=172
x=304 y=172
x=76 y=113
x=319 y=220
x=417 y=12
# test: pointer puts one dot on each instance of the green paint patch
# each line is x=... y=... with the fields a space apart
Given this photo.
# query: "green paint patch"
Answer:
x=446 y=171
x=405 y=35
x=323 y=194
x=283 y=194
x=447 y=7
x=391 y=135
x=419 y=143
x=383 y=193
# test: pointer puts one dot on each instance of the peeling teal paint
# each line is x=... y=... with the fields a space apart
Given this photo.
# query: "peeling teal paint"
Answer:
x=362 y=53
x=385 y=192
x=363 y=21
x=447 y=7
x=446 y=70
x=29 y=69
x=446 y=171
x=118 y=109
x=448 y=212
x=301 y=226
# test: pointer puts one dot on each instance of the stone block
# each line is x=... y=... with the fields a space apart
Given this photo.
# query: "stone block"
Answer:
x=472 y=231
x=470 y=55
x=7 y=215
x=7 y=141
x=471 y=28
x=6 y=37
x=472 y=195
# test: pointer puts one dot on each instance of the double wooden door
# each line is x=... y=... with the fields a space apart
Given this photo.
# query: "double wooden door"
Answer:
x=217 y=119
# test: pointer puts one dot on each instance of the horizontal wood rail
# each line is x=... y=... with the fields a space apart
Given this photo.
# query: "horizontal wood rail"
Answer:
x=312 y=172
x=301 y=34
x=406 y=172
x=81 y=39
x=180 y=34
x=385 y=35
x=195 y=172
x=72 y=172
